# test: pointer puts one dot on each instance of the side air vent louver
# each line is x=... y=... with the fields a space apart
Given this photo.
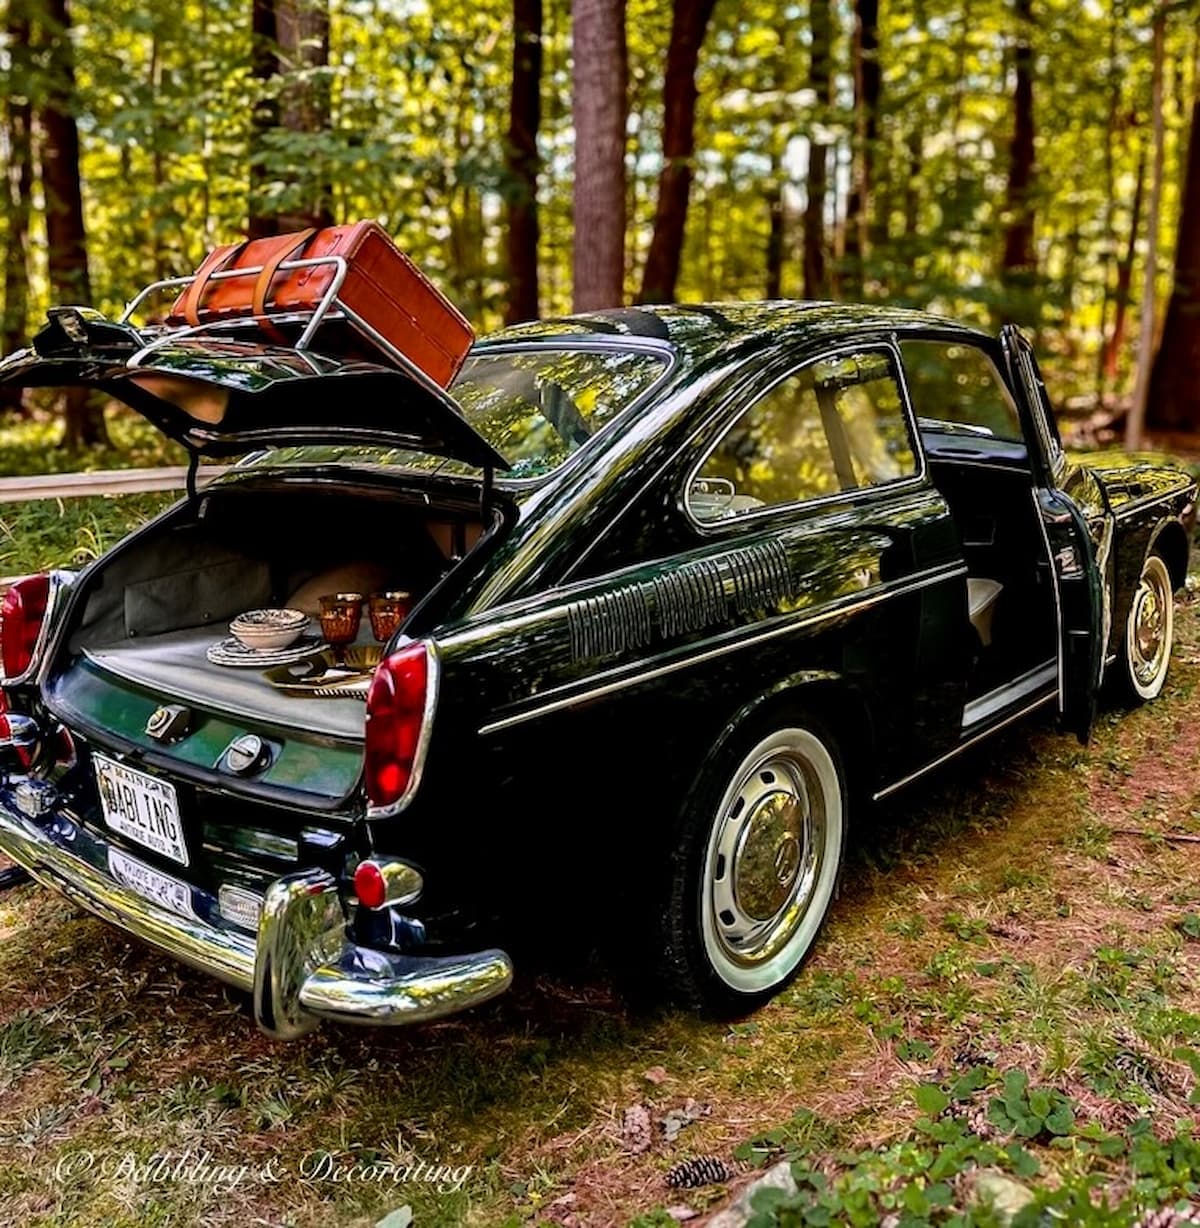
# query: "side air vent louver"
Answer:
x=702 y=593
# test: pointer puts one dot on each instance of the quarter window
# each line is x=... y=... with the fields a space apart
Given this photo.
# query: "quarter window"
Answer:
x=956 y=385
x=832 y=426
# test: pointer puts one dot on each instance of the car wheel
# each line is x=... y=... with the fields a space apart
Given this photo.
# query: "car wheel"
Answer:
x=1149 y=632
x=762 y=838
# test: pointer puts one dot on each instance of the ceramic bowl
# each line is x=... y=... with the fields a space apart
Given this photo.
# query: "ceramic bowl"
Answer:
x=264 y=629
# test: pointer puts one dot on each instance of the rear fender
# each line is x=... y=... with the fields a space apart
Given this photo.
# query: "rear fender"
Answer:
x=826 y=695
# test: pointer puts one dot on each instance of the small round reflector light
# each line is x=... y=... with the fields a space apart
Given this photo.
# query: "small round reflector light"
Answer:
x=369 y=885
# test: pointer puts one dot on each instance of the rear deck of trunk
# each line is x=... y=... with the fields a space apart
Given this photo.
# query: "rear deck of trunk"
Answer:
x=150 y=615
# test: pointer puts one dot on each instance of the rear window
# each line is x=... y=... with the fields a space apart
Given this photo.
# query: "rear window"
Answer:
x=535 y=406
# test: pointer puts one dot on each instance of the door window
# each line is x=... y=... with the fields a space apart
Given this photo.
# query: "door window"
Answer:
x=954 y=385
x=832 y=426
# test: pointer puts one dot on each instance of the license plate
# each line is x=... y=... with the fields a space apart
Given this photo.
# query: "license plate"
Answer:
x=159 y=888
x=141 y=807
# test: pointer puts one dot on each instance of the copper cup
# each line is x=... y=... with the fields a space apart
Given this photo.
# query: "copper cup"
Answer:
x=387 y=612
x=341 y=615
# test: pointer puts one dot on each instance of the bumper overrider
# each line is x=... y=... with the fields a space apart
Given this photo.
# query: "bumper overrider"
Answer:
x=301 y=967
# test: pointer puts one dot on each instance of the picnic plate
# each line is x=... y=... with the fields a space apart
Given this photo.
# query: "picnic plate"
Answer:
x=233 y=653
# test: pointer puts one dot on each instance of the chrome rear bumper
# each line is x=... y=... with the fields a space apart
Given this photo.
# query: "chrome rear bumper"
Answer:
x=301 y=967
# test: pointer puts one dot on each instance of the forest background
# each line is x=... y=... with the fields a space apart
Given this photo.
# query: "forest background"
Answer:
x=993 y=160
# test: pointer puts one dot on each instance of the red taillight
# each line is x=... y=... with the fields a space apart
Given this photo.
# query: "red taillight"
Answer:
x=396 y=711
x=22 y=613
x=369 y=885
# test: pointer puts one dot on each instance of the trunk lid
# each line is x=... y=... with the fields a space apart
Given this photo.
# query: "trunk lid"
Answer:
x=222 y=396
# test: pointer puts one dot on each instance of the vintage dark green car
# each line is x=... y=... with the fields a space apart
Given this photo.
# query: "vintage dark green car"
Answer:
x=693 y=584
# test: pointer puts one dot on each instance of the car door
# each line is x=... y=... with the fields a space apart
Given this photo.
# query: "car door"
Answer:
x=1078 y=544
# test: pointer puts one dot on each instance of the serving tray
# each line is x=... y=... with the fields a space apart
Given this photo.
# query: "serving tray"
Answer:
x=321 y=675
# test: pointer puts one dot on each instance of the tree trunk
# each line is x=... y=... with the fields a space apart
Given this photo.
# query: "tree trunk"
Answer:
x=303 y=29
x=66 y=242
x=598 y=42
x=289 y=47
x=1174 y=394
x=1109 y=239
x=264 y=117
x=776 y=238
x=1136 y=420
x=18 y=118
x=1115 y=341
x=522 y=163
x=689 y=23
x=820 y=75
x=866 y=133
x=1019 y=262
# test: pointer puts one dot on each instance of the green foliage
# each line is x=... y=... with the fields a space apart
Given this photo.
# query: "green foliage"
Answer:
x=933 y=1173
x=1036 y=1113
x=419 y=109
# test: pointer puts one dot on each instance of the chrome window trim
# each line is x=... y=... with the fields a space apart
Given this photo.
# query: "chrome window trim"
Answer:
x=1040 y=408
x=861 y=494
x=623 y=676
x=433 y=681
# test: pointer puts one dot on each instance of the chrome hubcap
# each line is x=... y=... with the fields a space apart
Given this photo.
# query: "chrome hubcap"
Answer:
x=768 y=849
x=1149 y=641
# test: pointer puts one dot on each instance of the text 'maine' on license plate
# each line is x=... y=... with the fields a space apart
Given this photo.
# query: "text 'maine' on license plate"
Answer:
x=141 y=807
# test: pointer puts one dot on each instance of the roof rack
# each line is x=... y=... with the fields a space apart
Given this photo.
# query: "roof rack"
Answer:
x=331 y=308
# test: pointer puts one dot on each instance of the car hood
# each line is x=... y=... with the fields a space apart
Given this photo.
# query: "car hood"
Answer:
x=222 y=397
x=1129 y=477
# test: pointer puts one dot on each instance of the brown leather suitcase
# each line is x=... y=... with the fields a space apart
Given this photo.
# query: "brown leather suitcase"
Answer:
x=383 y=288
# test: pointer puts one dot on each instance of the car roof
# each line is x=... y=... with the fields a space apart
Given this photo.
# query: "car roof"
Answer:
x=705 y=331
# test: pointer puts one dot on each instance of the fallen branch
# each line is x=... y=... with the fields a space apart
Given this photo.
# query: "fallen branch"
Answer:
x=1177 y=836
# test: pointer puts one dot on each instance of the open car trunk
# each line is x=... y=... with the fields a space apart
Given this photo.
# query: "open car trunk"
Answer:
x=151 y=612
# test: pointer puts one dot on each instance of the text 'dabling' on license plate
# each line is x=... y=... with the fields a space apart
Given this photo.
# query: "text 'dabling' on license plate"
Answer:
x=141 y=807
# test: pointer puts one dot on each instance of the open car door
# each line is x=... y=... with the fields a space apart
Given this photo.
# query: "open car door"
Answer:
x=1073 y=551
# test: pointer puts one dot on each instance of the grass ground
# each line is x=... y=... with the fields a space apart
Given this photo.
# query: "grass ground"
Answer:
x=1026 y=916
x=1009 y=980
x=69 y=532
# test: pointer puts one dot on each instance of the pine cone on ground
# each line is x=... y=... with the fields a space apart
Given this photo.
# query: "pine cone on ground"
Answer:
x=698 y=1171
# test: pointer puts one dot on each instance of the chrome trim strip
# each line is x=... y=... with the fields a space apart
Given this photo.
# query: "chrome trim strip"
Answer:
x=1140 y=504
x=624 y=676
x=983 y=733
x=309 y=961
x=999 y=698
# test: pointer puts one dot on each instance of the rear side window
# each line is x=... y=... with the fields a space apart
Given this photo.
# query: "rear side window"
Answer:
x=832 y=426
x=955 y=385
